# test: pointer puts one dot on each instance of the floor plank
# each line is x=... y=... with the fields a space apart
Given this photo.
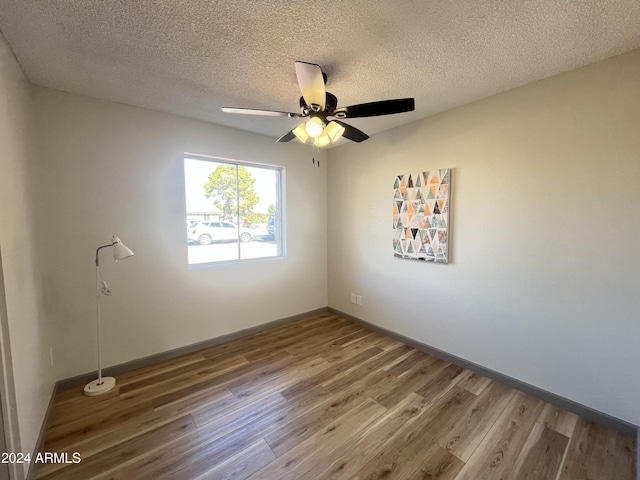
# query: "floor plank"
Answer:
x=595 y=453
x=372 y=440
x=467 y=430
x=497 y=452
x=541 y=455
x=303 y=459
x=413 y=443
x=242 y=465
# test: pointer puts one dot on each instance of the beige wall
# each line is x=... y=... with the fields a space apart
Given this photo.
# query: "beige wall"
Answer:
x=545 y=275
x=107 y=168
x=26 y=322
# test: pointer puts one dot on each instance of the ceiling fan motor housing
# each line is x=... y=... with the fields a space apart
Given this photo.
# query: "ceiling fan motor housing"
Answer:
x=330 y=105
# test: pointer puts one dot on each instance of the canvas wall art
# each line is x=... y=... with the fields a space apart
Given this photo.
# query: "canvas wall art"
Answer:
x=421 y=215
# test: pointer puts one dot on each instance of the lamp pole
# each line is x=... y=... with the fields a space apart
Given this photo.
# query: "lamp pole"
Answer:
x=98 y=293
x=102 y=385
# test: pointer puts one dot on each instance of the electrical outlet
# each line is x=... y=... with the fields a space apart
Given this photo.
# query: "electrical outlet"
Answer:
x=353 y=298
x=51 y=356
x=359 y=299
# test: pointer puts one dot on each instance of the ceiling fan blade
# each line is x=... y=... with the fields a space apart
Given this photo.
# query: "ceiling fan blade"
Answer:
x=352 y=133
x=254 y=111
x=311 y=82
x=374 y=109
x=287 y=137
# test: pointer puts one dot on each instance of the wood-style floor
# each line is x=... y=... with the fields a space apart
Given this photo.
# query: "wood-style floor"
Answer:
x=323 y=398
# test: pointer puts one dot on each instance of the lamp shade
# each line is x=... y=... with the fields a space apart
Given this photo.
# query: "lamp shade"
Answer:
x=120 y=251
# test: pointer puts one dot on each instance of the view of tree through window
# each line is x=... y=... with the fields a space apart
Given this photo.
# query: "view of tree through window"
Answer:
x=232 y=211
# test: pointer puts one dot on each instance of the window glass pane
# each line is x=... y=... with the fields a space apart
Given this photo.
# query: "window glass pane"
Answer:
x=232 y=211
x=211 y=196
x=256 y=241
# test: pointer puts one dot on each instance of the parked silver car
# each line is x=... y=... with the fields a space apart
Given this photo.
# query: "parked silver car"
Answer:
x=205 y=233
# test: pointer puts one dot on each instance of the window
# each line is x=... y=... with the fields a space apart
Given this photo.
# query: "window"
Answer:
x=234 y=210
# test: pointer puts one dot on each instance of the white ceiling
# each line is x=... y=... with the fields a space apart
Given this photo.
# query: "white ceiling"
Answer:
x=191 y=57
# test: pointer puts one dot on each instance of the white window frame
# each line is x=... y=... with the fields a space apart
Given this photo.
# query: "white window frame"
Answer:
x=280 y=207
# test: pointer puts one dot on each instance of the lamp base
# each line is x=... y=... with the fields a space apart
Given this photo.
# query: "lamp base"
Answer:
x=94 y=388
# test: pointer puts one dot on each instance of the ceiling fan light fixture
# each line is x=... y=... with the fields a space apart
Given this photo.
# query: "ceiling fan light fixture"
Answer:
x=301 y=132
x=316 y=104
x=314 y=127
x=335 y=131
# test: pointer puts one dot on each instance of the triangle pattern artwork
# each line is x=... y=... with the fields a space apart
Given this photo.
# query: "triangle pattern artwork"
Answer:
x=421 y=205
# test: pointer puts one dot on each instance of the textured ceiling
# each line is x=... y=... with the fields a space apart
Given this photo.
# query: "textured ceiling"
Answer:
x=191 y=57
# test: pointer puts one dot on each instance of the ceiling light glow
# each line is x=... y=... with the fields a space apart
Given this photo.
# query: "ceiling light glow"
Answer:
x=314 y=127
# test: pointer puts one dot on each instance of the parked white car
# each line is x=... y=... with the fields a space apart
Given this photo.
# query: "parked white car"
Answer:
x=205 y=233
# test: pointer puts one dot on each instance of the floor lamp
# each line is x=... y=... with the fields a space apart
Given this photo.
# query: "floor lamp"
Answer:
x=104 y=384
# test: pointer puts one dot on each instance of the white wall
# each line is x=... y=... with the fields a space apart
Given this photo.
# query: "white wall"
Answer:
x=26 y=321
x=107 y=168
x=544 y=283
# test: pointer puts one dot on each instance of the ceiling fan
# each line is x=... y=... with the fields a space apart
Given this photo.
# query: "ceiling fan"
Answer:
x=324 y=123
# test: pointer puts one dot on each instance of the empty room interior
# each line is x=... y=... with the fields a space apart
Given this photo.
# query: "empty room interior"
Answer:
x=442 y=281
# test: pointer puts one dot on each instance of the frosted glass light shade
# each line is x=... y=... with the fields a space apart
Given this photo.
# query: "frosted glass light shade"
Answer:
x=322 y=140
x=301 y=132
x=335 y=131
